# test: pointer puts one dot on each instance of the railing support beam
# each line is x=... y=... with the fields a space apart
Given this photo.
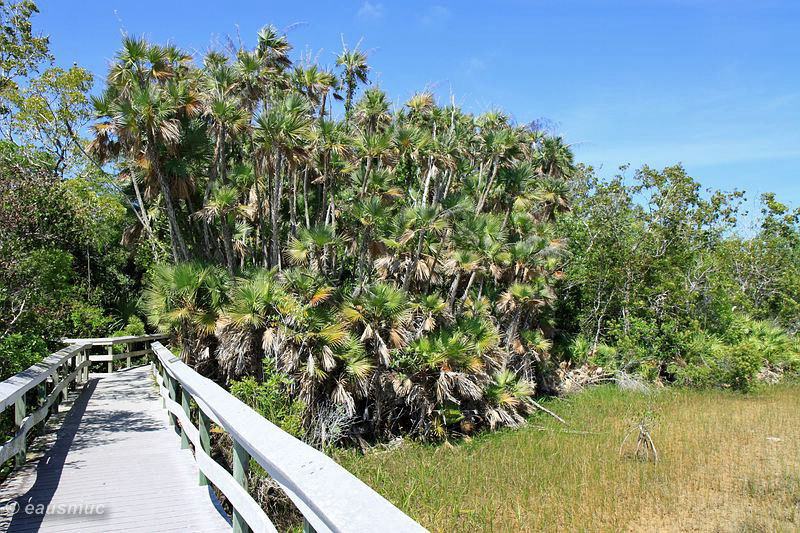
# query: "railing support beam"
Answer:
x=111 y=360
x=20 y=410
x=185 y=397
x=204 y=427
x=173 y=394
x=241 y=465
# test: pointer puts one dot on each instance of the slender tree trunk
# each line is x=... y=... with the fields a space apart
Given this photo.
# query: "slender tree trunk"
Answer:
x=488 y=186
x=145 y=217
x=179 y=252
x=466 y=291
x=453 y=289
x=262 y=233
x=366 y=177
x=293 y=207
x=305 y=197
x=274 y=211
x=425 y=189
x=512 y=328
x=228 y=239
x=412 y=269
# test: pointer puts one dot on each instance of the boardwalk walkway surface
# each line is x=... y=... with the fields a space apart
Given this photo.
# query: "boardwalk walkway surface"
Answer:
x=115 y=465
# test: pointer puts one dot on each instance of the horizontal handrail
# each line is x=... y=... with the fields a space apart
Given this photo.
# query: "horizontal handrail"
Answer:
x=108 y=341
x=329 y=497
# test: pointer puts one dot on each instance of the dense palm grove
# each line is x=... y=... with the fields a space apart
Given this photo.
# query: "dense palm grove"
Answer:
x=356 y=268
x=399 y=266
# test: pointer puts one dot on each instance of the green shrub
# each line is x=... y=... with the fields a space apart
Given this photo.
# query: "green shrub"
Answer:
x=711 y=361
x=18 y=351
x=89 y=320
x=271 y=400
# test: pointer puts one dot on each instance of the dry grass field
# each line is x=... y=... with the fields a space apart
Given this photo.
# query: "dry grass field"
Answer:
x=728 y=462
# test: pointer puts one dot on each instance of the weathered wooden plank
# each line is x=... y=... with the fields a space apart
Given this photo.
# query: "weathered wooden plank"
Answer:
x=330 y=497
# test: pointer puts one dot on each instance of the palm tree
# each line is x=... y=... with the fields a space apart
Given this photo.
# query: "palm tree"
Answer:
x=222 y=206
x=371 y=147
x=520 y=297
x=186 y=300
x=281 y=136
x=354 y=71
x=254 y=323
x=554 y=158
x=381 y=312
x=143 y=117
x=460 y=262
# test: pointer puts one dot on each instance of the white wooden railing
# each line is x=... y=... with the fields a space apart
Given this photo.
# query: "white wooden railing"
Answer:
x=109 y=342
x=329 y=497
x=41 y=387
x=44 y=385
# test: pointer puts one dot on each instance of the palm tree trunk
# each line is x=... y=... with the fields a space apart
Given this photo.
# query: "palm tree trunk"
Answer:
x=425 y=189
x=293 y=207
x=228 y=239
x=274 y=211
x=412 y=269
x=179 y=252
x=488 y=186
x=512 y=328
x=261 y=237
x=466 y=291
x=453 y=289
x=305 y=197
x=366 y=176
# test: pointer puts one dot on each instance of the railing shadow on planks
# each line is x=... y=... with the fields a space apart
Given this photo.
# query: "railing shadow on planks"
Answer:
x=329 y=497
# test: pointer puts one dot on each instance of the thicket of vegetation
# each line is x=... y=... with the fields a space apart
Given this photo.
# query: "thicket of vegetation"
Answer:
x=62 y=269
x=338 y=260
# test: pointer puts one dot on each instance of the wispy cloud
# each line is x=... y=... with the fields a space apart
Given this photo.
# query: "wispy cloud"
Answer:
x=474 y=65
x=436 y=15
x=370 y=11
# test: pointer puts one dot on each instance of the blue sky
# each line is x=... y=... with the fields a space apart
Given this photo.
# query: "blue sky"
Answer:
x=712 y=84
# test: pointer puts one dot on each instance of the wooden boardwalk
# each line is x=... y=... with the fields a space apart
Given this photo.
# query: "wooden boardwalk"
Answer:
x=114 y=465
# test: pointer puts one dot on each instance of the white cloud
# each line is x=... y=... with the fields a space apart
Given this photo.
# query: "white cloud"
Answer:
x=371 y=11
x=435 y=16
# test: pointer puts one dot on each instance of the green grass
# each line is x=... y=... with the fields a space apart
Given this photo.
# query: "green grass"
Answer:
x=721 y=468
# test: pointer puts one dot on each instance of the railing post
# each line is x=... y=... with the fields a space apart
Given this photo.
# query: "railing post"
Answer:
x=19 y=417
x=186 y=409
x=42 y=393
x=128 y=346
x=241 y=465
x=67 y=372
x=172 y=384
x=56 y=381
x=111 y=361
x=86 y=369
x=164 y=382
x=204 y=427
